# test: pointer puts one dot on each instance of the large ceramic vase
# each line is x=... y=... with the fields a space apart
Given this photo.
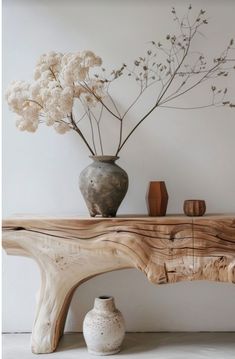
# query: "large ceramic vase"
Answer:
x=103 y=185
x=104 y=327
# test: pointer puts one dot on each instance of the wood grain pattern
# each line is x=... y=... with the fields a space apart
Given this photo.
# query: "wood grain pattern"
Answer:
x=69 y=251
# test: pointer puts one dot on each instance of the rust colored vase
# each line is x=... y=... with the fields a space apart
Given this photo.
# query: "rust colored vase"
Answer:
x=194 y=207
x=157 y=198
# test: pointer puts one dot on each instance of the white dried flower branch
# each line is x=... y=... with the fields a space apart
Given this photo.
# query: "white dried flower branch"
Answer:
x=168 y=70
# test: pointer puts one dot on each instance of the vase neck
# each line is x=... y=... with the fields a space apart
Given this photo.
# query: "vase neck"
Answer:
x=104 y=304
x=108 y=159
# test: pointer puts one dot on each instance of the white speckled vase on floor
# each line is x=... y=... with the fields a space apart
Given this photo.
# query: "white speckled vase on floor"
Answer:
x=104 y=327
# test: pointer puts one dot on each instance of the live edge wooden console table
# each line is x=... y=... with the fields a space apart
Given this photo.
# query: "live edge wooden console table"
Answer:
x=69 y=251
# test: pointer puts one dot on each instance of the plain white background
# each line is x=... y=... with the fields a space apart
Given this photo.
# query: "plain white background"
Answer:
x=193 y=151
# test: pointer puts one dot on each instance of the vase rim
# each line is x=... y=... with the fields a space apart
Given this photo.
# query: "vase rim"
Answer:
x=106 y=158
x=105 y=297
x=157 y=181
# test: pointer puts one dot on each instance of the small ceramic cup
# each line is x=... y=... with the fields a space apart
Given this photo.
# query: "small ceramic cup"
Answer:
x=194 y=207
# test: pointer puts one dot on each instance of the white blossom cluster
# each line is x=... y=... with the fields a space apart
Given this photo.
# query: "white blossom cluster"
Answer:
x=58 y=80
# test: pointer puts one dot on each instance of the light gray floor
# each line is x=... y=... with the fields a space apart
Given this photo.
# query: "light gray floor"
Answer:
x=136 y=345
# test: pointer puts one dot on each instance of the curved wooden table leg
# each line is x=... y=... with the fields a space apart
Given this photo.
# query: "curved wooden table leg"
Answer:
x=51 y=311
x=57 y=289
x=64 y=265
x=52 y=307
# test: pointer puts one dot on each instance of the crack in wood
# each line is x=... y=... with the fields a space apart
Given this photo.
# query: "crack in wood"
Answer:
x=70 y=251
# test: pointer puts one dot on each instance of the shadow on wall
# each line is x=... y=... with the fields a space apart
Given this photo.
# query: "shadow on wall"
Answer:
x=180 y=307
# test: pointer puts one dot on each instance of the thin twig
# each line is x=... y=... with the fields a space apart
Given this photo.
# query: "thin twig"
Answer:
x=92 y=130
x=98 y=127
x=159 y=98
x=113 y=102
x=99 y=99
x=75 y=127
x=192 y=108
x=37 y=103
x=99 y=132
x=191 y=87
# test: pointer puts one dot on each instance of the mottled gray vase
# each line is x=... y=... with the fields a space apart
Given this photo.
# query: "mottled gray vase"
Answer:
x=103 y=185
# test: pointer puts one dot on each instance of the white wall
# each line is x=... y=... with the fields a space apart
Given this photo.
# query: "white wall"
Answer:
x=193 y=151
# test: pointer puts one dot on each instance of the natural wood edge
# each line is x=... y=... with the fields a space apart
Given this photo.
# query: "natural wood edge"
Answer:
x=69 y=252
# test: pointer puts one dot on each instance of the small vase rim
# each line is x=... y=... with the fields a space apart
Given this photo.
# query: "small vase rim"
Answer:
x=105 y=298
x=105 y=158
x=194 y=200
x=152 y=182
